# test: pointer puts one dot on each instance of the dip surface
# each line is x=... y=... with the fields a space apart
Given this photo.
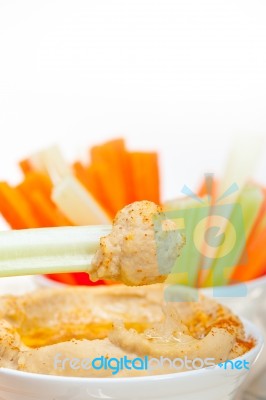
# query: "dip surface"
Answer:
x=113 y=321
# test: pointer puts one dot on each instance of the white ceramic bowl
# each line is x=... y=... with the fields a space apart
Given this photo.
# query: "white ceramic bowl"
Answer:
x=247 y=306
x=252 y=307
x=204 y=384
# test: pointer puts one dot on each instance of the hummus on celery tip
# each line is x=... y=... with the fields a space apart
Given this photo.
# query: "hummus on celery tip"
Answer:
x=138 y=251
x=40 y=329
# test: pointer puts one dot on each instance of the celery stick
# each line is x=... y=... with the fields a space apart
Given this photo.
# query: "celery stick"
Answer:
x=77 y=204
x=241 y=162
x=49 y=250
x=52 y=162
x=190 y=211
x=240 y=165
x=242 y=219
x=71 y=197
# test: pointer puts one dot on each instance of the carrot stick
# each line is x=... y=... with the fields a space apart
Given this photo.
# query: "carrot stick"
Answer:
x=145 y=176
x=37 y=181
x=203 y=191
x=68 y=279
x=256 y=262
x=82 y=278
x=37 y=189
x=260 y=222
x=250 y=200
x=77 y=204
x=256 y=259
x=88 y=177
x=96 y=187
x=108 y=152
x=15 y=208
x=91 y=177
x=113 y=157
x=255 y=250
x=25 y=166
x=107 y=187
x=81 y=173
x=46 y=211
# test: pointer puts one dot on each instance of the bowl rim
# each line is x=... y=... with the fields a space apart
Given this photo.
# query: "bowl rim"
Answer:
x=250 y=328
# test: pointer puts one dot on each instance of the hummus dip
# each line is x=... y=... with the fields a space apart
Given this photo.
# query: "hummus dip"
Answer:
x=141 y=248
x=113 y=322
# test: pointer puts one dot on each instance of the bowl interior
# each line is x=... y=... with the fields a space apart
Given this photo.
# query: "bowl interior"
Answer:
x=252 y=355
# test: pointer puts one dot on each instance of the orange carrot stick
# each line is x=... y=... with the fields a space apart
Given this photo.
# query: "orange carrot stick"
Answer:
x=37 y=181
x=256 y=261
x=113 y=157
x=260 y=222
x=36 y=188
x=108 y=152
x=68 y=279
x=255 y=249
x=203 y=191
x=15 y=208
x=107 y=187
x=46 y=210
x=145 y=176
x=25 y=166
x=95 y=186
x=81 y=173
x=91 y=178
x=88 y=178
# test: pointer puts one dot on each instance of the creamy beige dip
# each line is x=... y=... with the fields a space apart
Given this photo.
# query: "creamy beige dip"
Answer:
x=113 y=321
x=131 y=252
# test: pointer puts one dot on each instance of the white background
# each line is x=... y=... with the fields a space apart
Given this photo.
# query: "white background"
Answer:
x=179 y=76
